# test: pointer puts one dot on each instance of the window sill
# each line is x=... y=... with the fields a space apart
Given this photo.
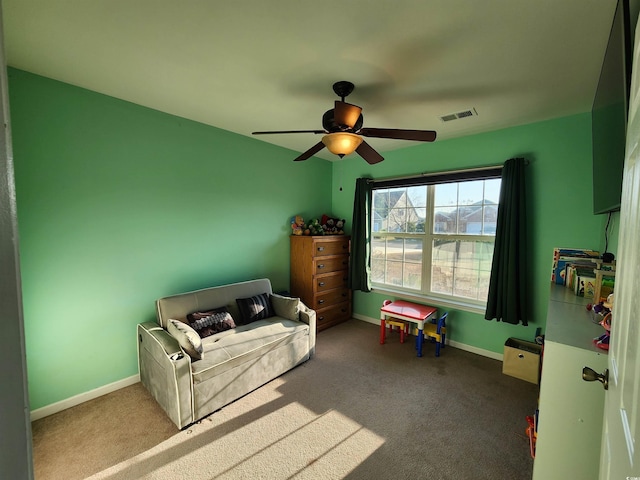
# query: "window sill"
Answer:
x=432 y=300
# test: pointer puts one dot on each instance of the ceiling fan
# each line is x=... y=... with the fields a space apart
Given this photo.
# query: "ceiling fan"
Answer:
x=343 y=130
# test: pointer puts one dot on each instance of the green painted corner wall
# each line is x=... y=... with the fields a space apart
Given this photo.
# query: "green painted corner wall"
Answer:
x=559 y=192
x=119 y=205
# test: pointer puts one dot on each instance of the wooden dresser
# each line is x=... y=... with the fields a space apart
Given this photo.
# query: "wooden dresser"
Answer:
x=319 y=273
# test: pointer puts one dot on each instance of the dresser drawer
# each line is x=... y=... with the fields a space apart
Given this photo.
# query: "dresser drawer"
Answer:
x=320 y=276
x=331 y=247
x=331 y=297
x=329 y=281
x=331 y=264
x=327 y=317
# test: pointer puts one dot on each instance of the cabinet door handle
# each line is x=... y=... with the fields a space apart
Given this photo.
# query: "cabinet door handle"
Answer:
x=320 y=266
x=321 y=249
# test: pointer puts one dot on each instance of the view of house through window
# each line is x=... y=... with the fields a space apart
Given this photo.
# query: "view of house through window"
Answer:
x=435 y=239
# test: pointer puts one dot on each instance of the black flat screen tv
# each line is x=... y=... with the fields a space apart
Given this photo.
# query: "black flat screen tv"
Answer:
x=609 y=115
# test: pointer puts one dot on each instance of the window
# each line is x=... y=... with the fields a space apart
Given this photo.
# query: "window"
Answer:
x=435 y=239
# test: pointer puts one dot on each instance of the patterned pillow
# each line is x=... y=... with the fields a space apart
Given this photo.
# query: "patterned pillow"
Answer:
x=255 y=308
x=186 y=337
x=211 y=322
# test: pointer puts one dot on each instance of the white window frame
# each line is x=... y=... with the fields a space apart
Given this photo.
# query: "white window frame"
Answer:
x=425 y=293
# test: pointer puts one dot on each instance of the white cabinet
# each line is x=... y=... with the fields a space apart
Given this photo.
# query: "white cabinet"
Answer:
x=571 y=410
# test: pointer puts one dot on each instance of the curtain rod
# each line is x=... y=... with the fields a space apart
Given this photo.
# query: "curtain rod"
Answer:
x=432 y=174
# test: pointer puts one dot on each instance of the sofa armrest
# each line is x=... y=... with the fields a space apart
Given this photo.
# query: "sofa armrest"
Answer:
x=308 y=316
x=165 y=370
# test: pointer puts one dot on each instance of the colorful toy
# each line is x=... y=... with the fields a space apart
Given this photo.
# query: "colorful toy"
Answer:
x=297 y=225
x=332 y=226
x=605 y=310
x=314 y=227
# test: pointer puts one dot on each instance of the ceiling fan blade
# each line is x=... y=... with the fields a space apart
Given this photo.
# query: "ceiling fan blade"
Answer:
x=288 y=131
x=311 y=152
x=367 y=152
x=346 y=114
x=417 y=135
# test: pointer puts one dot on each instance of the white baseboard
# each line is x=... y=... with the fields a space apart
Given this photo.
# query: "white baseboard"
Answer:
x=83 y=397
x=461 y=346
x=125 y=382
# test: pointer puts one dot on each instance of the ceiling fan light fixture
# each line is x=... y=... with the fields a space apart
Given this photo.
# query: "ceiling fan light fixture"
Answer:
x=342 y=143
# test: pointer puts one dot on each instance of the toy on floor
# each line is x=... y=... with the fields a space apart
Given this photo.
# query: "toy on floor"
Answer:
x=605 y=309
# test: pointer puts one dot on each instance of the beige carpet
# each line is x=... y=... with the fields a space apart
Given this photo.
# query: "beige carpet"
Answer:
x=357 y=410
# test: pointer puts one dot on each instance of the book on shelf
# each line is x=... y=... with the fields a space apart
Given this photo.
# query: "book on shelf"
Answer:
x=564 y=256
x=585 y=287
x=573 y=270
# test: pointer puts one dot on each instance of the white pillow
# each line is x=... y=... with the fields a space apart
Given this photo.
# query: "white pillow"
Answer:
x=187 y=337
x=286 y=307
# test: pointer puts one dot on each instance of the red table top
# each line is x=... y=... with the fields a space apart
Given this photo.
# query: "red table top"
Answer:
x=408 y=309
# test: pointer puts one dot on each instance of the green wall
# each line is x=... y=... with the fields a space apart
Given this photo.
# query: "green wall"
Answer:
x=559 y=199
x=119 y=205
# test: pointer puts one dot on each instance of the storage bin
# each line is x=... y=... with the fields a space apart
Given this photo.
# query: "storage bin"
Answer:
x=522 y=360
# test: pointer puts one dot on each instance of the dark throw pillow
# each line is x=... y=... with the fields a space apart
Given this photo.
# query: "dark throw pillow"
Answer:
x=255 y=308
x=211 y=322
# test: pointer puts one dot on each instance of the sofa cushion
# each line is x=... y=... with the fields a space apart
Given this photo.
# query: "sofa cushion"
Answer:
x=228 y=349
x=254 y=308
x=286 y=307
x=187 y=337
x=211 y=322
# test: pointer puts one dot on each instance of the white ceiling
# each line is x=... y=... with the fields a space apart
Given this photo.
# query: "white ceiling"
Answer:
x=248 y=65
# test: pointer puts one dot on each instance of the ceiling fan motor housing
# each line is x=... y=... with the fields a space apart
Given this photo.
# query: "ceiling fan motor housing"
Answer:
x=330 y=125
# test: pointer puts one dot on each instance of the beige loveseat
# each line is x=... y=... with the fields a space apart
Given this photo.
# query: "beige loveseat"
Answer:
x=191 y=377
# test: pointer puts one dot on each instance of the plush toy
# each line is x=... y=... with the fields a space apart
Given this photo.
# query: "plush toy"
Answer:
x=606 y=308
x=332 y=226
x=329 y=227
x=314 y=228
x=297 y=225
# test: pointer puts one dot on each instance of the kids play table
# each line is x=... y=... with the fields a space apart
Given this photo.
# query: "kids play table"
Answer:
x=409 y=312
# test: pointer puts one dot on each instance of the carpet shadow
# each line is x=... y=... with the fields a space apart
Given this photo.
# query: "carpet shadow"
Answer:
x=457 y=413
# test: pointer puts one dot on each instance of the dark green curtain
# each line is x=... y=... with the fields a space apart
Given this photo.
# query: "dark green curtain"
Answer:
x=360 y=265
x=507 y=300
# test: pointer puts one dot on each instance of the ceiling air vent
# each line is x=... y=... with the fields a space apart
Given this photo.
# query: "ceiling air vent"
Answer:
x=455 y=116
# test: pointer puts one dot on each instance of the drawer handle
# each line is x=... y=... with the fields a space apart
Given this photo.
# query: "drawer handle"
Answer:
x=344 y=247
x=321 y=284
x=321 y=249
x=344 y=262
x=320 y=302
x=344 y=310
x=320 y=318
x=320 y=266
x=344 y=294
